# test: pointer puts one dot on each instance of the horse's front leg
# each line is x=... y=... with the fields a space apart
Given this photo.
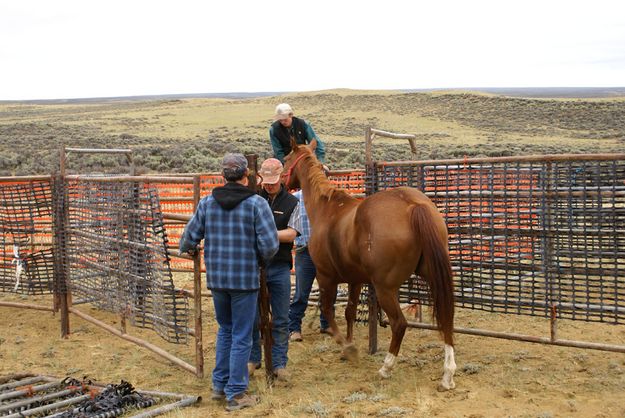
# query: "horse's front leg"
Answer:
x=327 y=293
x=351 y=310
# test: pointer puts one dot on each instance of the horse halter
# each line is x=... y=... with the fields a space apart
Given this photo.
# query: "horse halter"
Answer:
x=289 y=172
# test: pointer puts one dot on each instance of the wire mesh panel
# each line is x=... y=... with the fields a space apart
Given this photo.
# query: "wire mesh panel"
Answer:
x=528 y=235
x=26 y=257
x=585 y=239
x=116 y=255
x=178 y=198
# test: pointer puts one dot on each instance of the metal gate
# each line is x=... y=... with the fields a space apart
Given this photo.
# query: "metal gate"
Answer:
x=535 y=235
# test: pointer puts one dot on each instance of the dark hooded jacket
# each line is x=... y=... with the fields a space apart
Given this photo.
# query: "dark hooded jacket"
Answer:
x=238 y=230
x=282 y=207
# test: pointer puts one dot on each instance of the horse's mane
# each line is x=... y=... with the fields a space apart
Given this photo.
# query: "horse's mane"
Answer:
x=325 y=190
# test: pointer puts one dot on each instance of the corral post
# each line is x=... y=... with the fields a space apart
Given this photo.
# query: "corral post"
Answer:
x=252 y=165
x=373 y=321
x=197 y=292
x=61 y=214
x=368 y=146
x=370 y=188
x=548 y=261
x=264 y=301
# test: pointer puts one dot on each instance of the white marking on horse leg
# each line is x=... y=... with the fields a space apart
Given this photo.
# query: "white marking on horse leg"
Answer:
x=387 y=367
x=449 y=369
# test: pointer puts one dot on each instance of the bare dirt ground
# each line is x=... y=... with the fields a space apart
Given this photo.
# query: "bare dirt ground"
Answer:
x=495 y=378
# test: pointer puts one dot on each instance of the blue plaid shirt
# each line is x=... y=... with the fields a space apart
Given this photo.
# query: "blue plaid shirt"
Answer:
x=234 y=241
x=299 y=221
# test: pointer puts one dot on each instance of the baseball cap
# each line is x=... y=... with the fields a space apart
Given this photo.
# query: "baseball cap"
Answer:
x=234 y=166
x=270 y=171
x=283 y=111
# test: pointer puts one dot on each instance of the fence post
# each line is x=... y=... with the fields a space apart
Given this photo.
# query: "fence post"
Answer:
x=264 y=298
x=371 y=186
x=197 y=292
x=61 y=214
x=548 y=249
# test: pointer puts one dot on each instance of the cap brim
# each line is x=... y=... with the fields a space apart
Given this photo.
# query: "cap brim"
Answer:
x=281 y=117
x=271 y=179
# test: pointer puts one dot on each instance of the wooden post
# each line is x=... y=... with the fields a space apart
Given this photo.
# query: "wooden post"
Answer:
x=371 y=186
x=549 y=266
x=373 y=321
x=60 y=225
x=368 y=146
x=266 y=326
x=197 y=292
x=264 y=297
x=369 y=190
x=554 y=322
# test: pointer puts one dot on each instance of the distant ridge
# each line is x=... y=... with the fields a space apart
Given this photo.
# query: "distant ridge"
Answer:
x=234 y=95
x=535 y=92
x=541 y=92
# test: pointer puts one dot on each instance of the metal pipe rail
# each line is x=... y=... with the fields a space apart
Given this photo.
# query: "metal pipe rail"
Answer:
x=99 y=150
x=124 y=178
x=26 y=306
x=465 y=162
x=12 y=179
x=522 y=337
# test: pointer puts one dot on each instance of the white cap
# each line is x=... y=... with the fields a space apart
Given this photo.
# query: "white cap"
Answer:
x=283 y=111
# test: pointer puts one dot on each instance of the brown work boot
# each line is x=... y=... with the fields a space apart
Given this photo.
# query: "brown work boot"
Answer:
x=217 y=395
x=242 y=400
x=295 y=336
x=281 y=374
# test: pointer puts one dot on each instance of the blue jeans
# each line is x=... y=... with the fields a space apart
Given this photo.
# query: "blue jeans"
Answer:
x=279 y=286
x=305 y=273
x=234 y=311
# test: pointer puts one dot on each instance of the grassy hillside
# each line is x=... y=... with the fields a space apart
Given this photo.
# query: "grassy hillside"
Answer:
x=185 y=135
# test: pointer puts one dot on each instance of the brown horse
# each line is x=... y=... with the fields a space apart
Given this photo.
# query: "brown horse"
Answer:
x=381 y=241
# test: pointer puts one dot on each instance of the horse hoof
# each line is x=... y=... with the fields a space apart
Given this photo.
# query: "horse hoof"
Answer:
x=442 y=387
x=350 y=353
x=384 y=373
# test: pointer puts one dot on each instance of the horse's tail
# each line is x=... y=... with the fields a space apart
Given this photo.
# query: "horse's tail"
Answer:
x=437 y=265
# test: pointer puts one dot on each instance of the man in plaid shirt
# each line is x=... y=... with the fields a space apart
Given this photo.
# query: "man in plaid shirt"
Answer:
x=239 y=230
x=305 y=272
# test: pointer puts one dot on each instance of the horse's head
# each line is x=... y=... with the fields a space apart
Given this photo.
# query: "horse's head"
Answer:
x=290 y=178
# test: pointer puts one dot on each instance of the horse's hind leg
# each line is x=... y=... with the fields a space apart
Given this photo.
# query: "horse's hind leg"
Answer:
x=449 y=366
x=390 y=304
x=449 y=369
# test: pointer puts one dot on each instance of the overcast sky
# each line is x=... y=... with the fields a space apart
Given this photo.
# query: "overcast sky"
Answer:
x=90 y=48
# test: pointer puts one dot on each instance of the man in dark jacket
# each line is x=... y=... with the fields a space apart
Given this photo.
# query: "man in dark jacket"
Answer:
x=238 y=229
x=285 y=126
x=282 y=205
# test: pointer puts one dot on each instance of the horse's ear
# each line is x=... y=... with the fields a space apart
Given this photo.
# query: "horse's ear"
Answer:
x=293 y=144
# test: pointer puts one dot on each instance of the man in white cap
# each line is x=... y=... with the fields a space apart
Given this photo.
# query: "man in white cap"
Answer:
x=285 y=126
